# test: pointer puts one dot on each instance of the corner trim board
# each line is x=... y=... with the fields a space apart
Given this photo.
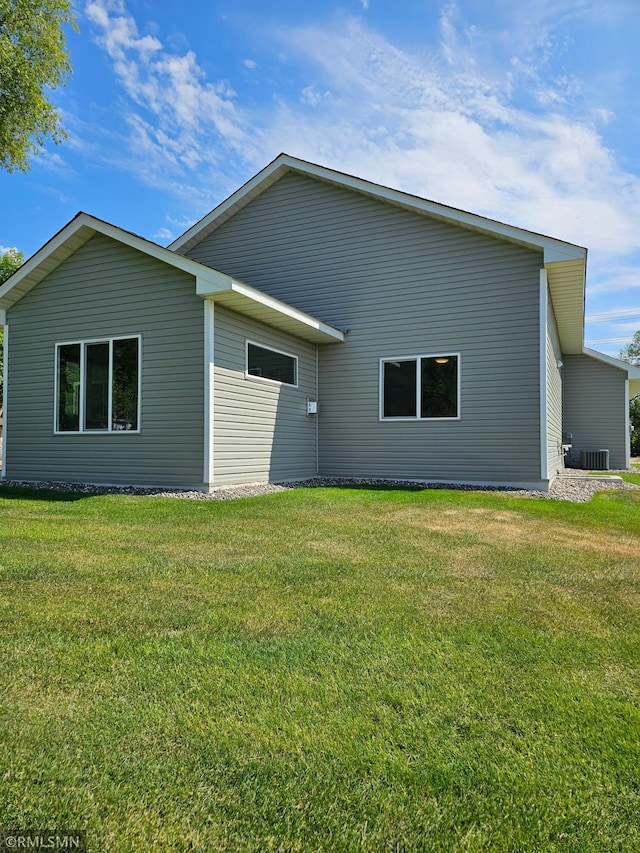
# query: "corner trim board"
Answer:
x=627 y=426
x=5 y=397
x=544 y=403
x=209 y=391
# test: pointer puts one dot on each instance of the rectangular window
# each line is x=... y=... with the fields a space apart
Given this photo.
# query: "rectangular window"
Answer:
x=271 y=364
x=400 y=383
x=68 y=381
x=98 y=386
x=421 y=387
x=96 y=373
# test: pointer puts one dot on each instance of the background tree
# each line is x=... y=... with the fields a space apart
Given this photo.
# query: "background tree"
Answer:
x=631 y=354
x=9 y=263
x=33 y=60
x=634 y=417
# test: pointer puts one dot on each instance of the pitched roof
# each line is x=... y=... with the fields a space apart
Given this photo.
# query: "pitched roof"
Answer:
x=565 y=262
x=209 y=282
x=633 y=372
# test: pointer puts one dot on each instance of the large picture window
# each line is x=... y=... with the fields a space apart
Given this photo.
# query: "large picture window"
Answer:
x=271 y=364
x=420 y=387
x=98 y=386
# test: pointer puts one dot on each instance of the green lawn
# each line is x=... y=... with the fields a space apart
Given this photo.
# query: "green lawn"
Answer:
x=322 y=670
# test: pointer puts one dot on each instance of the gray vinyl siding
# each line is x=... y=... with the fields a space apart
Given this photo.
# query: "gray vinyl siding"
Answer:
x=555 y=457
x=108 y=289
x=403 y=285
x=261 y=430
x=595 y=404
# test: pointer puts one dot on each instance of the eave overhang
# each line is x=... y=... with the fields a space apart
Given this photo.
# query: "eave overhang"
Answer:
x=567 y=281
x=633 y=372
x=209 y=282
x=254 y=303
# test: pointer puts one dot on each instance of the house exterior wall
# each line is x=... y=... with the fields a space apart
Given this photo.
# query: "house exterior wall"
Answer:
x=261 y=431
x=595 y=406
x=403 y=285
x=555 y=457
x=107 y=289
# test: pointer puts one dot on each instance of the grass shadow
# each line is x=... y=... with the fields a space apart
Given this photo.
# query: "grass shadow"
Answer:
x=33 y=493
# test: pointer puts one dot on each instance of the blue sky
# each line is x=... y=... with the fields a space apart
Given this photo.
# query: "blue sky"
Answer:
x=524 y=112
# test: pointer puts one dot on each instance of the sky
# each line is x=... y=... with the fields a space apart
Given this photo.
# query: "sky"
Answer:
x=523 y=112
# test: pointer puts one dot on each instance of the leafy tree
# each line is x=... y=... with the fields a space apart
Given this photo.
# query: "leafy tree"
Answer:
x=631 y=353
x=634 y=417
x=33 y=59
x=9 y=263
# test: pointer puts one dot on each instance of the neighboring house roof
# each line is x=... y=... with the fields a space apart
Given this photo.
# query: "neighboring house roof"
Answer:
x=633 y=372
x=565 y=262
x=209 y=282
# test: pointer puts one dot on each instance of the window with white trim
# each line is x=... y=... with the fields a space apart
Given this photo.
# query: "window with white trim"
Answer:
x=421 y=387
x=274 y=365
x=98 y=386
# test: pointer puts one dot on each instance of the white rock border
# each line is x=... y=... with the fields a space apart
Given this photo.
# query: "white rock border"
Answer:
x=575 y=488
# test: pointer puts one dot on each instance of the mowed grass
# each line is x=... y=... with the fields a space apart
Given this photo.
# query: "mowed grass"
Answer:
x=322 y=670
x=633 y=478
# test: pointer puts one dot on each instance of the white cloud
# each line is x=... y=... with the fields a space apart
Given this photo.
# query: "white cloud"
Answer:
x=439 y=127
x=451 y=124
x=249 y=63
x=312 y=96
x=606 y=278
x=164 y=234
x=180 y=125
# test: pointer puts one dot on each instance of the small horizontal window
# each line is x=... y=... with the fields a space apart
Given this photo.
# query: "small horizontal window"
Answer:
x=276 y=366
x=421 y=387
x=98 y=386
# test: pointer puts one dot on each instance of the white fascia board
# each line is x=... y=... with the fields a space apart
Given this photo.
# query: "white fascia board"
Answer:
x=554 y=249
x=265 y=176
x=146 y=246
x=210 y=287
x=631 y=370
x=31 y=265
x=67 y=240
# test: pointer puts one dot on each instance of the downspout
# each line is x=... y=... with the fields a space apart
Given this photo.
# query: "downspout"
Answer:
x=544 y=450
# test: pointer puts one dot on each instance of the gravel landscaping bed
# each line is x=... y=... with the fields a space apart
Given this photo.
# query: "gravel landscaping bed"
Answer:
x=574 y=486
